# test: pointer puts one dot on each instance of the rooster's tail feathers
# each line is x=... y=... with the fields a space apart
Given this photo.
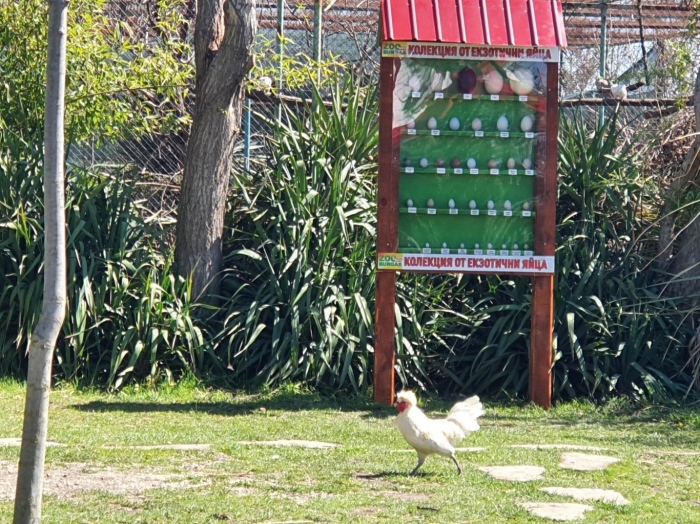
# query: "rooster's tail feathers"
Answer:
x=466 y=413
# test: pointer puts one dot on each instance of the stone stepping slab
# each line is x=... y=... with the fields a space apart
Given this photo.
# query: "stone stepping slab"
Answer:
x=310 y=444
x=585 y=461
x=574 y=447
x=514 y=473
x=559 y=511
x=600 y=495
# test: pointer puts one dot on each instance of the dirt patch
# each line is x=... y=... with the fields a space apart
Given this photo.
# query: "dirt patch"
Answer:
x=67 y=481
x=405 y=496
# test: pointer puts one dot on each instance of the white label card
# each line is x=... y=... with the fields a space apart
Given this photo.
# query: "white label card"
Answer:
x=516 y=252
x=529 y=134
x=512 y=171
x=474 y=212
x=527 y=213
x=439 y=95
x=415 y=94
x=457 y=170
x=473 y=171
x=432 y=210
x=503 y=252
x=409 y=170
x=454 y=211
x=467 y=96
x=461 y=251
x=522 y=98
x=426 y=250
x=529 y=253
x=490 y=251
x=505 y=134
x=411 y=131
x=478 y=134
x=494 y=171
x=507 y=213
x=529 y=172
x=478 y=251
x=495 y=97
x=492 y=212
x=413 y=210
x=440 y=170
x=445 y=251
x=435 y=132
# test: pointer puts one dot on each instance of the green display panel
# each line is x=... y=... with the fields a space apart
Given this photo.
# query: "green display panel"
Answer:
x=470 y=135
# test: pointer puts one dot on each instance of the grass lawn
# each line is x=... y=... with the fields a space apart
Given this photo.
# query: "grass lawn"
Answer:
x=100 y=474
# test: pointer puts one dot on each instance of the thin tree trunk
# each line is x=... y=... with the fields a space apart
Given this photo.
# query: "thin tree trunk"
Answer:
x=224 y=32
x=43 y=341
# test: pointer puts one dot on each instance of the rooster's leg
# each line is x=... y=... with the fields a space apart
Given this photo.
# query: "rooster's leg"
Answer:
x=454 y=459
x=421 y=459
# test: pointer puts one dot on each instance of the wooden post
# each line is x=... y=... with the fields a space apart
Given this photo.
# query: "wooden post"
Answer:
x=545 y=234
x=387 y=239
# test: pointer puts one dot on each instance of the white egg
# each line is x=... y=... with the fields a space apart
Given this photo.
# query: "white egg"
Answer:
x=507 y=205
x=472 y=204
x=490 y=246
x=515 y=246
x=490 y=204
x=493 y=82
x=522 y=82
x=427 y=244
x=414 y=83
x=476 y=246
x=502 y=123
x=451 y=203
x=526 y=205
x=527 y=163
x=476 y=124
x=431 y=202
x=525 y=246
x=471 y=163
x=444 y=245
x=409 y=202
x=461 y=246
x=511 y=163
x=424 y=162
x=411 y=124
x=454 y=123
x=526 y=123
x=432 y=123
x=503 y=246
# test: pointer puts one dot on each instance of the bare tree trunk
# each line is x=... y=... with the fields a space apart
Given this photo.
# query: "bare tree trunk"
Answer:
x=224 y=32
x=43 y=341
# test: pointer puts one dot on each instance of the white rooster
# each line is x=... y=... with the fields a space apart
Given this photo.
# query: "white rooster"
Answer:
x=429 y=436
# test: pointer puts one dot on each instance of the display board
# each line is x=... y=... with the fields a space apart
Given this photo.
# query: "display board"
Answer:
x=470 y=138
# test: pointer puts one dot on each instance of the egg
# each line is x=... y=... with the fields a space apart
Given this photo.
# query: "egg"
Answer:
x=411 y=124
x=493 y=82
x=476 y=124
x=527 y=163
x=526 y=123
x=466 y=80
x=430 y=202
x=407 y=162
x=515 y=246
x=424 y=162
x=476 y=246
x=502 y=123
x=522 y=81
x=490 y=204
x=440 y=162
x=456 y=162
x=493 y=164
x=526 y=205
x=444 y=245
x=503 y=246
x=432 y=123
x=526 y=246
x=461 y=246
x=507 y=205
x=471 y=163
x=490 y=246
x=414 y=83
x=454 y=123
x=511 y=163
x=472 y=204
x=427 y=244
x=409 y=203
x=451 y=203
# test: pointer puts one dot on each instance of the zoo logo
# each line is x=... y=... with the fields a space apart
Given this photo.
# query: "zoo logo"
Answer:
x=394 y=49
x=390 y=261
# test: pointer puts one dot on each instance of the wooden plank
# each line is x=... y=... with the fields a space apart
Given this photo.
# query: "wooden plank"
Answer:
x=545 y=224
x=387 y=236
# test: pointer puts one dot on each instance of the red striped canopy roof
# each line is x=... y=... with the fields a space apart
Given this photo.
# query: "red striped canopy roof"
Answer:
x=522 y=23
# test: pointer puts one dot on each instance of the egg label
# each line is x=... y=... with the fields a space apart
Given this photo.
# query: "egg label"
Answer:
x=467 y=96
x=410 y=131
x=473 y=171
x=439 y=95
x=522 y=98
x=504 y=134
x=527 y=213
x=529 y=134
x=415 y=94
x=507 y=213
x=516 y=252
x=441 y=171
x=512 y=172
x=426 y=250
x=478 y=134
x=528 y=253
x=474 y=212
x=478 y=251
x=432 y=211
x=461 y=251
x=529 y=172
x=435 y=132
x=492 y=212
x=490 y=251
x=503 y=252
x=494 y=171
x=454 y=211
x=445 y=251
x=413 y=210
x=409 y=170
x=457 y=171
x=495 y=97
